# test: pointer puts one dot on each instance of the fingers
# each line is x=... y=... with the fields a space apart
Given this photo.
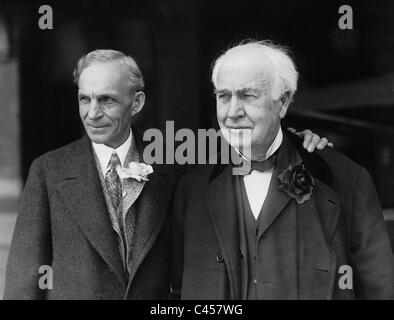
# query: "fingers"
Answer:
x=307 y=137
x=314 y=142
x=322 y=144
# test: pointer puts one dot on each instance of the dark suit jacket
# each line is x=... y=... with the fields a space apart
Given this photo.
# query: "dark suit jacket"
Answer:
x=304 y=245
x=63 y=222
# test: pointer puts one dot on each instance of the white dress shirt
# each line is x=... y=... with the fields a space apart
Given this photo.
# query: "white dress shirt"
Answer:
x=104 y=153
x=257 y=183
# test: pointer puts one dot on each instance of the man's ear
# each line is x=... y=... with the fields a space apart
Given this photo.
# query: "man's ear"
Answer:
x=284 y=104
x=138 y=103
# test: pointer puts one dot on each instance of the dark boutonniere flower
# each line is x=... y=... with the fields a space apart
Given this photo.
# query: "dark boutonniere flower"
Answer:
x=297 y=182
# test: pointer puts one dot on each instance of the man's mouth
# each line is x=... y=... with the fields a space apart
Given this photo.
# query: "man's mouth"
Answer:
x=96 y=126
x=238 y=128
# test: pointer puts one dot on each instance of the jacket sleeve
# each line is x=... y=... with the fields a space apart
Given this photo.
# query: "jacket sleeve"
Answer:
x=370 y=250
x=31 y=241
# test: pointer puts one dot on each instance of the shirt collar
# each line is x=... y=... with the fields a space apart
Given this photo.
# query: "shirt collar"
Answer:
x=273 y=147
x=104 y=152
x=275 y=144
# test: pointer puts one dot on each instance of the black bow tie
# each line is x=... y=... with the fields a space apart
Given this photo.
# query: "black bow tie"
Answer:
x=261 y=166
x=264 y=165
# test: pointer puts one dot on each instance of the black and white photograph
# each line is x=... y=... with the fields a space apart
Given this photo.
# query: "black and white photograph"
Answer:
x=197 y=150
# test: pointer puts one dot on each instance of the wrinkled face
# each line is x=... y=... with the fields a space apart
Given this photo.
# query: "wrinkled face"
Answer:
x=244 y=102
x=105 y=103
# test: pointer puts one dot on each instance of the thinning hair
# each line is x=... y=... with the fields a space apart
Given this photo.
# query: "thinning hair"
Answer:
x=99 y=56
x=286 y=75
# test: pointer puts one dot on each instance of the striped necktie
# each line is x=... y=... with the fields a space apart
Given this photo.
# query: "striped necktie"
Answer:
x=112 y=181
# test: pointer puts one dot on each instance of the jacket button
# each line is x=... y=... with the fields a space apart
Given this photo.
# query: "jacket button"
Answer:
x=219 y=257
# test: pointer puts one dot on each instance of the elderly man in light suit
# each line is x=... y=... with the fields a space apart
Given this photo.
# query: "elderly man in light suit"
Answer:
x=294 y=224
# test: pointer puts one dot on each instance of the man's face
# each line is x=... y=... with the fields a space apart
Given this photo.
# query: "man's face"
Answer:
x=245 y=104
x=105 y=103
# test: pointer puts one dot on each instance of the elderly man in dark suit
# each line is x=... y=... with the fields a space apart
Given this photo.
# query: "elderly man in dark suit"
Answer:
x=297 y=225
x=91 y=212
x=104 y=233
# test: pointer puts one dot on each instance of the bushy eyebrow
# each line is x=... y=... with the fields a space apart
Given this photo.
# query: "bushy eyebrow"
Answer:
x=112 y=94
x=239 y=91
x=257 y=86
x=221 y=91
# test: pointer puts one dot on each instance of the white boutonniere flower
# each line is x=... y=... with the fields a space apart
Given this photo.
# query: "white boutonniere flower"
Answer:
x=135 y=170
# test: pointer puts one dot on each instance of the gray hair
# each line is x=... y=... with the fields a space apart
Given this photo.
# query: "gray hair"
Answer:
x=99 y=56
x=286 y=74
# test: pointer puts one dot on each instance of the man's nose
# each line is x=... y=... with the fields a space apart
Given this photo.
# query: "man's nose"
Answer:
x=95 y=111
x=236 y=109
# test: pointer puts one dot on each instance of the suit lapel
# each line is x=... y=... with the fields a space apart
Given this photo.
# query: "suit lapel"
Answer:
x=328 y=202
x=317 y=220
x=132 y=186
x=222 y=209
x=83 y=195
x=276 y=199
x=151 y=210
x=292 y=152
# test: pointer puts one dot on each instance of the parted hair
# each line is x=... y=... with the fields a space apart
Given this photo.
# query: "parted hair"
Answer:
x=128 y=64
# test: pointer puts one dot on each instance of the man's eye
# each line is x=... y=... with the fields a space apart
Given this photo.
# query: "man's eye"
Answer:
x=83 y=99
x=108 y=100
x=224 y=96
x=249 y=95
